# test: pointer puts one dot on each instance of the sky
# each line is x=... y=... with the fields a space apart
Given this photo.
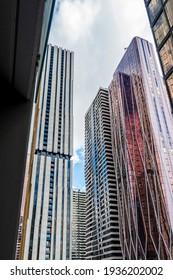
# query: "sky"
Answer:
x=97 y=31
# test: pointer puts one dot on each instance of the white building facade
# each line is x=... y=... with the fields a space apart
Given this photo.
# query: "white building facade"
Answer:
x=49 y=220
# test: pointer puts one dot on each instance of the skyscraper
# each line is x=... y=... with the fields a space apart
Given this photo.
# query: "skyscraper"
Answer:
x=102 y=234
x=160 y=13
x=48 y=226
x=142 y=143
x=78 y=225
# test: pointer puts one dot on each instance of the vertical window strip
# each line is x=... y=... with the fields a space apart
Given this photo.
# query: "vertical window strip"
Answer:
x=41 y=211
x=145 y=55
x=56 y=205
x=70 y=105
x=34 y=209
x=62 y=210
x=68 y=210
x=41 y=115
x=60 y=100
x=50 y=209
x=64 y=97
x=46 y=125
x=56 y=97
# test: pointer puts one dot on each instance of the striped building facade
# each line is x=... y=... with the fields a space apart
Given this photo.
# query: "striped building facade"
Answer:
x=102 y=221
x=79 y=225
x=48 y=232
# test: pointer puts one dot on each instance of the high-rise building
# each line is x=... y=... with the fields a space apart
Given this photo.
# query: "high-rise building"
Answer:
x=102 y=222
x=142 y=143
x=78 y=225
x=48 y=228
x=160 y=13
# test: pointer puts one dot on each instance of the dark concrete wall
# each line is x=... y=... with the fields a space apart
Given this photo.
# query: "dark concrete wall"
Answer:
x=15 y=117
x=20 y=32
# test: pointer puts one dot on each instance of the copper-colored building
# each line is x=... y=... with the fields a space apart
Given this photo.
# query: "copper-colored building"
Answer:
x=143 y=156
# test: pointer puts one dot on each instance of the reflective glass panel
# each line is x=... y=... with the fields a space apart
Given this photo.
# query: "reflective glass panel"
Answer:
x=170 y=84
x=161 y=28
x=166 y=54
x=154 y=8
x=169 y=11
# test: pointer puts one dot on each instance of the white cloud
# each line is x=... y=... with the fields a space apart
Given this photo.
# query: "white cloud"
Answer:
x=75 y=20
x=75 y=158
x=97 y=31
x=78 y=155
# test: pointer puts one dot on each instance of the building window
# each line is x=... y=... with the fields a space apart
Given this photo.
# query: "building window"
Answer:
x=166 y=54
x=161 y=28
x=169 y=11
x=154 y=8
x=170 y=84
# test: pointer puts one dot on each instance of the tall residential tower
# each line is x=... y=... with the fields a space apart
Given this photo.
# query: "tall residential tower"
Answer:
x=79 y=225
x=48 y=227
x=102 y=234
x=142 y=143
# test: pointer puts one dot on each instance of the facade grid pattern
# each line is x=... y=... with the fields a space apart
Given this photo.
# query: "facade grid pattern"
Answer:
x=79 y=225
x=48 y=232
x=160 y=14
x=102 y=233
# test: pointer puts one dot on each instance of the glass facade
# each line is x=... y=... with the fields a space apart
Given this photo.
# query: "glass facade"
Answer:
x=160 y=13
x=166 y=55
x=153 y=8
x=161 y=28
x=143 y=156
x=169 y=11
x=170 y=84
